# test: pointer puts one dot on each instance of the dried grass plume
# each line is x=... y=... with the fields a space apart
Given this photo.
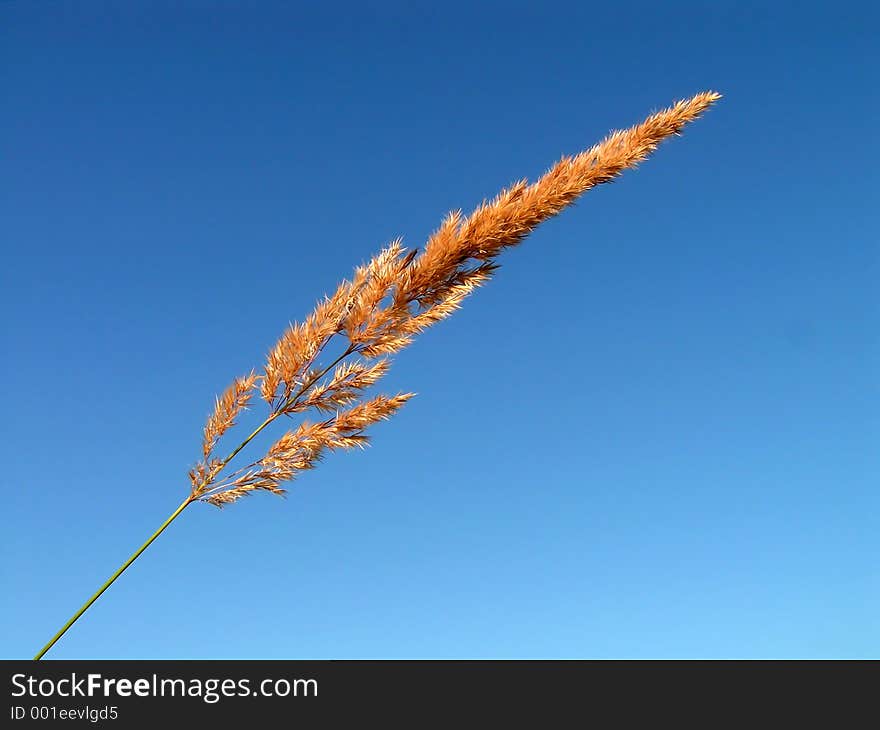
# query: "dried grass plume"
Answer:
x=387 y=302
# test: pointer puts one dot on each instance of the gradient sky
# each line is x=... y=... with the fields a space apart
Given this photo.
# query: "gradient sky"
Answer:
x=652 y=435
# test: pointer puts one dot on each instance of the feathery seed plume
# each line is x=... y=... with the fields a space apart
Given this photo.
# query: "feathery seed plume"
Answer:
x=391 y=299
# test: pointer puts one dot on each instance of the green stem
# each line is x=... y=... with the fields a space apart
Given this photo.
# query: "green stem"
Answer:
x=189 y=500
x=112 y=578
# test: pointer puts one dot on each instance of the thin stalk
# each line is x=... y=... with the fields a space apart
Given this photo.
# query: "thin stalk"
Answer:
x=189 y=500
x=112 y=578
x=244 y=443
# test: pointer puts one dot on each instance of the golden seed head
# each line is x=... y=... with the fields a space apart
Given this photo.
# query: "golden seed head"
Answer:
x=392 y=298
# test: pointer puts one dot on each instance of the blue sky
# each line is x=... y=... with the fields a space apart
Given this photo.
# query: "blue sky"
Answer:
x=652 y=435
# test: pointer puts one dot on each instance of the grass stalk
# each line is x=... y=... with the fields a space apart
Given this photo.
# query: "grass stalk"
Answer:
x=109 y=582
x=388 y=301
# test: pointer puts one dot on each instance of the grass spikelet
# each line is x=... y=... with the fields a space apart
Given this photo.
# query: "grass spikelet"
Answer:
x=228 y=407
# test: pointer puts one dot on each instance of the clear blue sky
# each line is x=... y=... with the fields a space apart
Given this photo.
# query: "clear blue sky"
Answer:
x=652 y=435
